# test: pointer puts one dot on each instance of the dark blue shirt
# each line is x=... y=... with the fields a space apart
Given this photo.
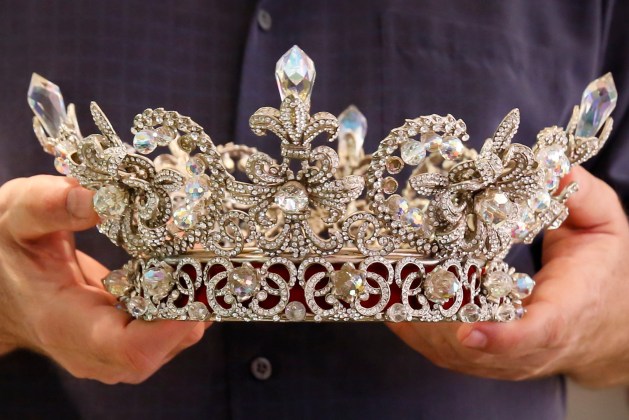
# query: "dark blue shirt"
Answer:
x=214 y=61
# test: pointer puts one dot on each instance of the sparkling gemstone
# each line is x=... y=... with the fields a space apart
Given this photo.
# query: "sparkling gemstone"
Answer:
x=185 y=217
x=394 y=164
x=137 y=306
x=62 y=165
x=441 y=285
x=351 y=136
x=551 y=181
x=295 y=74
x=519 y=312
x=197 y=311
x=145 y=141
x=469 y=313
x=389 y=185
x=44 y=98
x=598 y=102
x=498 y=284
x=397 y=312
x=398 y=206
x=539 y=201
x=117 y=283
x=164 y=135
x=157 y=282
x=523 y=285
x=415 y=218
x=451 y=148
x=110 y=201
x=292 y=197
x=295 y=311
x=494 y=207
x=505 y=312
x=554 y=159
x=413 y=152
x=196 y=188
x=433 y=141
x=243 y=281
x=348 y=282
x=195 y=166
x=524 y=224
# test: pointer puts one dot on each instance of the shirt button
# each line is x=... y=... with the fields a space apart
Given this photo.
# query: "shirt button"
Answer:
x=264 y=20
x=261 y=368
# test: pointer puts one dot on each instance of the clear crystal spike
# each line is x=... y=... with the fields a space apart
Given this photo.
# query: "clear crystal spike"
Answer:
x=351 y=137
x=44 y=98
x=598 y=102
x=295 y=74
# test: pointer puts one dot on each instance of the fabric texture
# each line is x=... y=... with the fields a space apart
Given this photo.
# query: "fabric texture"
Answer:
x=213 y=61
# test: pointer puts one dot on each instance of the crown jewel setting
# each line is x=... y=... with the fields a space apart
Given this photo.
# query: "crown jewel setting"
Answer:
x=323 y=234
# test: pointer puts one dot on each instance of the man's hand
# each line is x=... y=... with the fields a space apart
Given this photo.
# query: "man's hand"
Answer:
x=51 y=296
x=577 y=316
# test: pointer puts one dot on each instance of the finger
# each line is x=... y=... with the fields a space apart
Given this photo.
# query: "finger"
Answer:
x=595 y=205
x=93 y=271
x=31 y=208
x=541 y=328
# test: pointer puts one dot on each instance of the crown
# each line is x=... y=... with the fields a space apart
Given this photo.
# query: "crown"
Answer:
x=225 y=232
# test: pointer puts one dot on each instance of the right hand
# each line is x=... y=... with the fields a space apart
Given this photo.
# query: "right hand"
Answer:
x=51 y=297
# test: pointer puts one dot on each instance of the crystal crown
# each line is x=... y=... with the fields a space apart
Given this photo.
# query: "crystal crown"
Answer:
x=322 y=234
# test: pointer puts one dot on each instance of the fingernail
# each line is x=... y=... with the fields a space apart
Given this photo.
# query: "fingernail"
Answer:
x=79 y=203
x=475 y=339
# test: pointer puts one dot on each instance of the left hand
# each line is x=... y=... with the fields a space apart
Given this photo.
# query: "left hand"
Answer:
x=576 y=320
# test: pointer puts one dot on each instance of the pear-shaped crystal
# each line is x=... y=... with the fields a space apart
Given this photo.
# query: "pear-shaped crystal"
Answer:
x=44 y=98
x=295 y=74
x=598 y=102
x=351 y=137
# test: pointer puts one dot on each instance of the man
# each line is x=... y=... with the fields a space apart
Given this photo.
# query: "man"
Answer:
x=394 y=60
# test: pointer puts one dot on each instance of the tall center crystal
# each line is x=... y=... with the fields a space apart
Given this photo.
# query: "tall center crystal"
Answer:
x=598 y=102
x=295 y=74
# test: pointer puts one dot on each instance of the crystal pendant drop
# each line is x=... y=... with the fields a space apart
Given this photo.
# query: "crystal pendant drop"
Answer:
x=413 y=152
x=44 y=98
x=351 y=136
x=110 y=201
x=295 y=311
x=441 y=285
x=292 y=197
x=295 y=74
x=243 y=281
x=348 y=282
x=598 y=102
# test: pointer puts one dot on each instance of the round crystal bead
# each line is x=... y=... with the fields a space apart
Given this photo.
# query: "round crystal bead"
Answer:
x=62 y=165
x=185 y=217
x=110 y=201
x=451 y=148
x=554 y=159
x=196 y=188
x=195 y=166
x=197 y=311
x=494 y=207
x=397 y=206
x=433 y=141
x=539 y=201
x=164 y=135
x=396 y=312
x=243 y=281
x=348 y=282
x=505 y=312
x=157 y=282
x=389 y=185
x=145 y=141
x=469 y=313
x=498 y=284
x=441 y=285
x=292 y=197
x=551 y=181
x=524 y=224
x=137 y=306
x=295 y=311
x=415 y=218
x=523 y=285
x=394 y=164
x=117 y=283
x=413 y=152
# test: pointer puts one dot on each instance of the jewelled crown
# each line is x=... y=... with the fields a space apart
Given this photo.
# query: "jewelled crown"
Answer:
x=321 y=234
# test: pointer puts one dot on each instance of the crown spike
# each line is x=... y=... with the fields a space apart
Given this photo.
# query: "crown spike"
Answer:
x=597 y=103
x=46 y=101
x=295 y=74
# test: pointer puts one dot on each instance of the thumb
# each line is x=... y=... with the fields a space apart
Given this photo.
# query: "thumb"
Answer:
x=595 y=206
x=31 y=208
